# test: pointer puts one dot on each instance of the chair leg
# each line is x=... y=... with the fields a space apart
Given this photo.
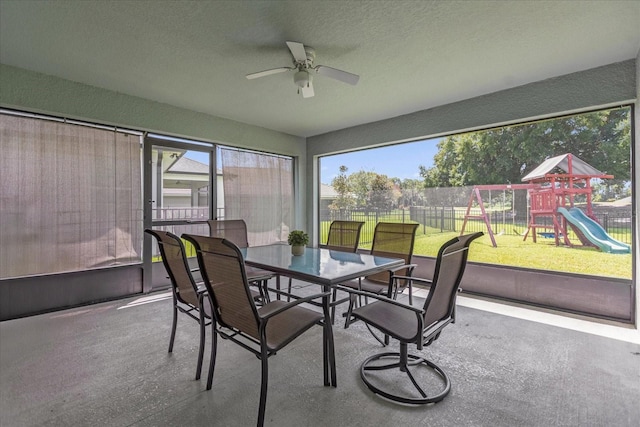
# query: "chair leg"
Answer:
x=396 y=291
x=214 y=352
x=289 y=289
x=329 y=355
x=265 y=290
x=348 y=320
x=410 y=294
x=263 y=385
x=278 y=287
x=202 y=339
x=347 y=315
x=173 y=327
x=384 y=342
x=334 y=296
x=402 y=361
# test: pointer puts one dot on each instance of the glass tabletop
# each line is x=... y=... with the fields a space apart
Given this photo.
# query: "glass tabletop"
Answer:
x=317 y=265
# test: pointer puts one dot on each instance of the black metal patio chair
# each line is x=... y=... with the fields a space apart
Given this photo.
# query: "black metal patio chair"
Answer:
x=262 y=330
x=188 y=296
x=414 y=325
x=235 y=230
x=391 y=240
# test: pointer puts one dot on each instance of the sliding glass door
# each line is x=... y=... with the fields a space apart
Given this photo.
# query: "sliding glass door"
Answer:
x=179 y=195
x=188 y=182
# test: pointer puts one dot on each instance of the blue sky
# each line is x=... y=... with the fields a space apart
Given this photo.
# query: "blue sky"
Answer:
x=397 y=161
x=198 y=156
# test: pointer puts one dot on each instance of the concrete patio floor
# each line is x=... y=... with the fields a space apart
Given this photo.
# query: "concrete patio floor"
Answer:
x=107 y=365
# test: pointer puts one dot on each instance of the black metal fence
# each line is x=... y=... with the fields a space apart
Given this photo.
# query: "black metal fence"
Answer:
x=447 y=219
x=432 y=219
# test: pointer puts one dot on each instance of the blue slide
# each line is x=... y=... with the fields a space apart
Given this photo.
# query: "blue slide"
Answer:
x=593 y=231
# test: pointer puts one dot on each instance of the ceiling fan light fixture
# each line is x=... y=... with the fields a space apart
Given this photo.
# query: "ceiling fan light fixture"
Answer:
x=303 y=64
x=302 y=78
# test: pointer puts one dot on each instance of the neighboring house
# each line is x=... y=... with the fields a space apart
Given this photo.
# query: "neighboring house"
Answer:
x=185 y=184
x=327 y=195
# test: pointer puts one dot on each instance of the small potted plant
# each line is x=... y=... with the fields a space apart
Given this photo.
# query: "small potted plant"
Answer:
x=298 y=239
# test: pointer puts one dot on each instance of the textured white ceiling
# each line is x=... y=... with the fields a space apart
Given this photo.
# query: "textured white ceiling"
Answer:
x=411 y=55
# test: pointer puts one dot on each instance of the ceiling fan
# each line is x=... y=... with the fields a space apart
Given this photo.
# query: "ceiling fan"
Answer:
x=303 y=57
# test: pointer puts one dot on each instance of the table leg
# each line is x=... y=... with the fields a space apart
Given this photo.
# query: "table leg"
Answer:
x=330 y=355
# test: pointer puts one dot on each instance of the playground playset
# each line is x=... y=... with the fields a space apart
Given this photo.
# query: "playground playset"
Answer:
x=551 y=195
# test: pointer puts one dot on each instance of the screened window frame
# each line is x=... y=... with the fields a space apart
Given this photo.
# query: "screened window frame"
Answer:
x=613 y=106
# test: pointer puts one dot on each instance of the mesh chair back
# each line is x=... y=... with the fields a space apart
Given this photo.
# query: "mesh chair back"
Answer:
x=344 y=235
x=450 y=265
x=223 y=271
x=393 y=240
x=234 y=230
x=175 y=262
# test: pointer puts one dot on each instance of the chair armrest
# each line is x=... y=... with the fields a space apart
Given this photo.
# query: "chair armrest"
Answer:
x=265 y=276
x=294 y=303
x=413 y=279
x=382 y=298
x=402 y=267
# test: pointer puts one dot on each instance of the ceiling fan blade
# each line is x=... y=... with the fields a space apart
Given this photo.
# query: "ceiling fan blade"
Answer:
x=298 y=52
x=307 y=91
x=334 y=73
x=268 y=72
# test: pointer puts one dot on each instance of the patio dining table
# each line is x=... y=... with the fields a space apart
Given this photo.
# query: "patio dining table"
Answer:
x=321 y=266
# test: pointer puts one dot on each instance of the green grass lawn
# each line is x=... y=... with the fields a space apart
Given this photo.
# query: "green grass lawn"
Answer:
x=513 y=251
x=543 y=255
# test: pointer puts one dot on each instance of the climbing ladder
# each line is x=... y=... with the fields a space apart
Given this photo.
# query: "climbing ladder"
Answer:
x=545 y=203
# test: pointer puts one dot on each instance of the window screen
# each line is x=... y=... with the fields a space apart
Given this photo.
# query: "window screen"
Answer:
x=259 y=189
x=70 y=197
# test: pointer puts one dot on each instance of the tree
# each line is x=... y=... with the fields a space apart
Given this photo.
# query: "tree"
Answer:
x=341 y=185
x=411 y=191
x=504 y=155
x=360 y=183
x=381 y=194
x=365 y=190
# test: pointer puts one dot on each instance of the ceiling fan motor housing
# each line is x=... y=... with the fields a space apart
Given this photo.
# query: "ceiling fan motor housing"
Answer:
x=311 y=54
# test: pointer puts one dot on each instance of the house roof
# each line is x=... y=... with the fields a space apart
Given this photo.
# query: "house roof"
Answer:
x=579 y=167
x=410 y=55
x=327 y=192
x=186 y=165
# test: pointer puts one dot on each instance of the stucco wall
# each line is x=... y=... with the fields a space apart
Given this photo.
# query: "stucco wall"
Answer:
x=24 y=89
